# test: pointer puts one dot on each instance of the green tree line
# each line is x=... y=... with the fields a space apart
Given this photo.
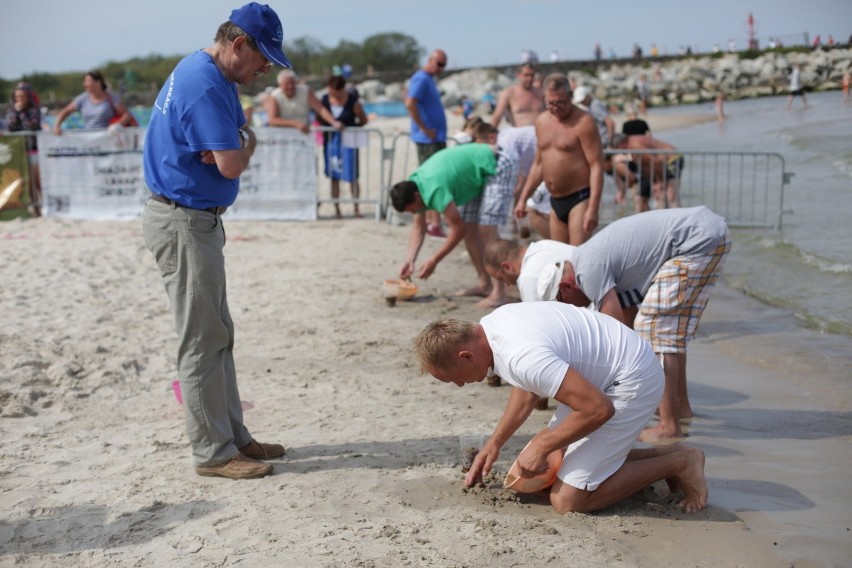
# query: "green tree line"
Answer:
x=140 y=78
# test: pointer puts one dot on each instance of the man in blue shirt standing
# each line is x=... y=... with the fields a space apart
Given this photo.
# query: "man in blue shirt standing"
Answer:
x=196 y=147
x=428 y=120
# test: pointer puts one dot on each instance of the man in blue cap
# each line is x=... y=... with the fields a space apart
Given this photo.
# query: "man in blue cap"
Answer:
x=196 y=147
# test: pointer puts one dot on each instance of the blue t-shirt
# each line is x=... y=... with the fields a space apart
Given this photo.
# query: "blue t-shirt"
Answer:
x=197 y=109
x=422 y=87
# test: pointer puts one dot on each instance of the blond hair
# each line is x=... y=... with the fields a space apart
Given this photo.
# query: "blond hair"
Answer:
x=439 y=341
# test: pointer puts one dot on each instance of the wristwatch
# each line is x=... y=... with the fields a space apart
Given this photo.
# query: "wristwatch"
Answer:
x=244 y=136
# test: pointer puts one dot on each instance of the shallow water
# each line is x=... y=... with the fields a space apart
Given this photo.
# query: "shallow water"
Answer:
x=806 y=267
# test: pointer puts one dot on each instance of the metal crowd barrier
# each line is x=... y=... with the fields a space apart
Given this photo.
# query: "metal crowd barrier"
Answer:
x=747 y=188
x=371 y=169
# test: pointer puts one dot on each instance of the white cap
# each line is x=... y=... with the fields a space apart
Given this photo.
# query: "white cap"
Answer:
x=548 y=281
x=580 y=94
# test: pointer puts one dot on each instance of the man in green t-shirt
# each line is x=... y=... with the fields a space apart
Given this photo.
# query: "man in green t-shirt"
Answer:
x=472 y=186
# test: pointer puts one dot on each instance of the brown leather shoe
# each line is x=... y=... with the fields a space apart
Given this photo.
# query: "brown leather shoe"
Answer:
x=238 y=467
x=260 y=451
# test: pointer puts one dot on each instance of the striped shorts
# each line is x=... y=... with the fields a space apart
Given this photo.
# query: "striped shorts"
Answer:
x=669 y=313
x=492 y=207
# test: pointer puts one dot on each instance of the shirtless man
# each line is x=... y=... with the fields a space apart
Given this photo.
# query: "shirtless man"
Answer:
x=569 y=159
x=661 y=170
x=522 y=103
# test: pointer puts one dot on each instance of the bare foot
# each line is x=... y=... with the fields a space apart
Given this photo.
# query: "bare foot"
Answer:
x=686 y=416
x=660 y=435
x=473 y=291
x=490 y=302
x=357 y=214
x=692 y=481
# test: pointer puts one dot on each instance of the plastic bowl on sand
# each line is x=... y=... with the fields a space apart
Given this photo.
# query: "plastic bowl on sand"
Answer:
x=542 y=481
x=405 y=289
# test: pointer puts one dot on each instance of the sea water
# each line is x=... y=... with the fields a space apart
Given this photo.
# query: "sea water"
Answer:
x=806 y=267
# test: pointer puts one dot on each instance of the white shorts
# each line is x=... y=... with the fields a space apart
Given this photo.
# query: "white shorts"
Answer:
x=540 y=200
x=592 y=460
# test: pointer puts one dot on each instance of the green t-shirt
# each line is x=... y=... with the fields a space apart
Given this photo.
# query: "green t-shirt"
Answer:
x=455 y=174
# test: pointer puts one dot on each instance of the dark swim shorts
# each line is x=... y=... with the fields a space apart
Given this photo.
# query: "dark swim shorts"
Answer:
x=563 y=205
x=674 y=167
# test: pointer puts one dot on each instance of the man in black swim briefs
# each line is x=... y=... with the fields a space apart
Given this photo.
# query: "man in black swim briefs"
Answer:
x=569 y=159
x=562 y=206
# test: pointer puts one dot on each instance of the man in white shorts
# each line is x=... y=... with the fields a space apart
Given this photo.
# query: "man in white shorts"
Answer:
x=606 y=381
x=538 y=209
x=662 y=264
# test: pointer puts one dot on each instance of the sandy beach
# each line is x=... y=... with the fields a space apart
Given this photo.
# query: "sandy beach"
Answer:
x=96 y=469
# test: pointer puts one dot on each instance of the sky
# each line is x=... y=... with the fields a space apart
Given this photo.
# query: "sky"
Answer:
x=52 y=37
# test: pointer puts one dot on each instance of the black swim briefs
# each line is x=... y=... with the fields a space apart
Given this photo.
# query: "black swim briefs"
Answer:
x=563 y=205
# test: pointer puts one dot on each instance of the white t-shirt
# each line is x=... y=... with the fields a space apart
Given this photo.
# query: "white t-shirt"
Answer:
x=535 y=343
x=297 y=108
x=538 y=255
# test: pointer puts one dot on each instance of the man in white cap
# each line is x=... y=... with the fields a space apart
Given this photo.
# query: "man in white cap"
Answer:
x=515 y=264
x=606 y=127
x=654 y=272
x=197 y=145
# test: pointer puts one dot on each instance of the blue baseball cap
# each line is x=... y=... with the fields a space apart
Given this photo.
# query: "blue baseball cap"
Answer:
x=262 y=24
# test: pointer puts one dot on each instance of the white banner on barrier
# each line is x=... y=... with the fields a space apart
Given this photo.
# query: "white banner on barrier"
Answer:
x=92 y=174
x=97 y=174
x=281 y=180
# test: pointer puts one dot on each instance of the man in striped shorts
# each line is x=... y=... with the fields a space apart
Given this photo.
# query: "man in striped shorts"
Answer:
x=652 y=271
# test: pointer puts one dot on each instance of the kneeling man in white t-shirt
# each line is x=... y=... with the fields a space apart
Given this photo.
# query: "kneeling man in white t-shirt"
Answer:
x=606 y=381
